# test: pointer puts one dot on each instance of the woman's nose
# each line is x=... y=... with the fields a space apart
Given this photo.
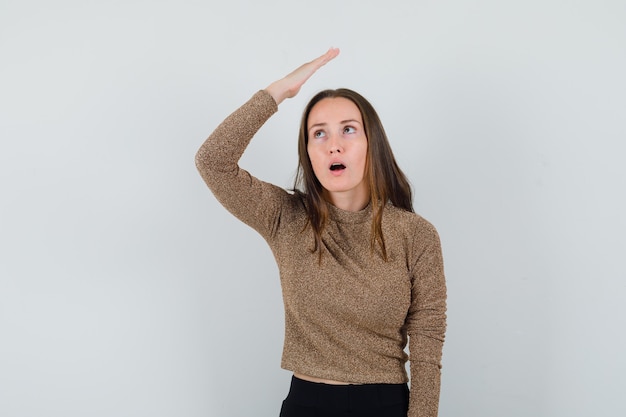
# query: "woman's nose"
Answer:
x=334 y=146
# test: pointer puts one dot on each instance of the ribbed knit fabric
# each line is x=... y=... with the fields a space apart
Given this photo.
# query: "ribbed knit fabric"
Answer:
x=347 y=318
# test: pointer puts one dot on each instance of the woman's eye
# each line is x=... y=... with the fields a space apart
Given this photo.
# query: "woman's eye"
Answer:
x=349 y=129
x=319 y=134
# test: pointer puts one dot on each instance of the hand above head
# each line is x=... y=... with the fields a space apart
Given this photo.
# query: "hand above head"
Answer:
x=289 y=86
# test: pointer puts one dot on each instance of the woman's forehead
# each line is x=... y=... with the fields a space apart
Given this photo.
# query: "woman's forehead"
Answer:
x=333 y=110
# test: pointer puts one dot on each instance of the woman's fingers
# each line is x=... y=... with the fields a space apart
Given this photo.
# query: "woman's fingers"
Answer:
x=329 y=55
x=305 y=71
x=324 y=59
x=290 y=85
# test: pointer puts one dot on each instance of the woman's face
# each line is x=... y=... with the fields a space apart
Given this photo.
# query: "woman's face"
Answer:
x=337 y=148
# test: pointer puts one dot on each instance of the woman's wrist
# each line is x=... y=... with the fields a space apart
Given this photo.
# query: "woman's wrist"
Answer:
x=276 y=92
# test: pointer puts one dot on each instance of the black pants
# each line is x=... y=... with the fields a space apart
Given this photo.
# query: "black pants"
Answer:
x=311 y=399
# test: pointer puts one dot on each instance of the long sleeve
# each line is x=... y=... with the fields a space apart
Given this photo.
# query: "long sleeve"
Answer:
x=426 y=326
x=254 y=202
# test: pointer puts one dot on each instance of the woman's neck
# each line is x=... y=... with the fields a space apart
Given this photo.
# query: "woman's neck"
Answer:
x=348 y=201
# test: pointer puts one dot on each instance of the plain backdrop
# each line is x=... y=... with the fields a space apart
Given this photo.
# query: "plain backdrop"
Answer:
x=127 y=290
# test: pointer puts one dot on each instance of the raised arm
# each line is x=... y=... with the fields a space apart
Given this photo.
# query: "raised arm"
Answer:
x=254 y=202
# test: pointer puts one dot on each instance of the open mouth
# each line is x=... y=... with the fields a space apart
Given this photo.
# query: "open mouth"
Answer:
x=337 y=166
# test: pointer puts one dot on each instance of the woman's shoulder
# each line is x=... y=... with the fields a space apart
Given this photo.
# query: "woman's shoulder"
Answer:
x=293 y=205
x=408 y=221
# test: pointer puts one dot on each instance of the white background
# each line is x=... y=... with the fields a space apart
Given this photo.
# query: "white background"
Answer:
x=127 y=290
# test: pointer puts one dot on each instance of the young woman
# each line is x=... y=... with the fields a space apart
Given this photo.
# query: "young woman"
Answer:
x=360 y=272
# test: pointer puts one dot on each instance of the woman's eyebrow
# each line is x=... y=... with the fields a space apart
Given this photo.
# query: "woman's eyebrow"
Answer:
x=343 y=122
x=317 y=125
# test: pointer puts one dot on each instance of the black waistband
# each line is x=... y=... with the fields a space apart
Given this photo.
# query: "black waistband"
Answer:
x=362 y=396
